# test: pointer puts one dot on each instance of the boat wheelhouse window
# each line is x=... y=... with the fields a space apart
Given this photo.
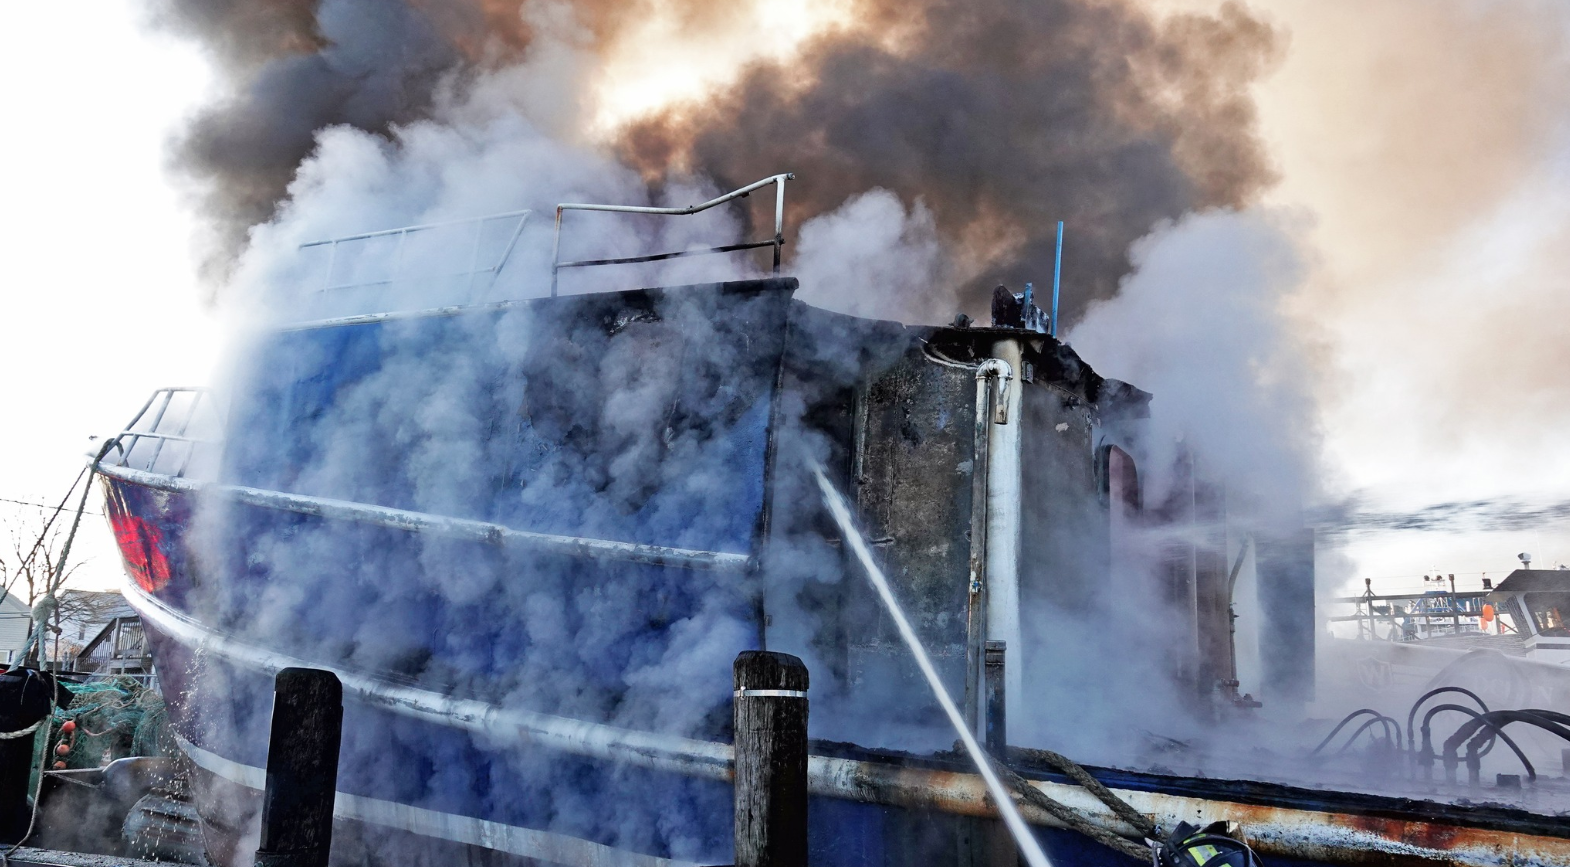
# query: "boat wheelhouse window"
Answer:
x=1511 y=608
x=1550 y=613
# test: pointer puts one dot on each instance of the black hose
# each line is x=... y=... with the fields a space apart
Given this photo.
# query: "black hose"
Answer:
x=1352 y=716
x=1534 y=718
x=1387 y=722
x=1554 y=715
x=1469 y=728
x=1412 y=714
x=1428 y=747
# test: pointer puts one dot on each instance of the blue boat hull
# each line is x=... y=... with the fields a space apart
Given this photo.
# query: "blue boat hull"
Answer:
x=531 y=539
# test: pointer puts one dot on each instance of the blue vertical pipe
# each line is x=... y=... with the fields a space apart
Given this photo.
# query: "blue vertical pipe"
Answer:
x=1057 y=275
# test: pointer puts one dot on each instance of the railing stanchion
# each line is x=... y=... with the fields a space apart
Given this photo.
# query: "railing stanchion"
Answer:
x=779 y=220
x=777 y=242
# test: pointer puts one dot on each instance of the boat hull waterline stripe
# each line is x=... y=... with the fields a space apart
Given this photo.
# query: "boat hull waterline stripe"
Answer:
x=1272 y=830
x=422 y=522
x=526 y=842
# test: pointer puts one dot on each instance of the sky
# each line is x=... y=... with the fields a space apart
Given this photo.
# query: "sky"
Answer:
x=101 y=303
x=1421 y=145
x=1426 y=143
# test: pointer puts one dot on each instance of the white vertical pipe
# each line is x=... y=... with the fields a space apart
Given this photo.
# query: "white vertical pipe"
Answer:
x=1004 y=531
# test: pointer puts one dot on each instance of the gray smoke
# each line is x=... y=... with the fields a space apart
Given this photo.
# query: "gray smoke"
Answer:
x=998 y=118
x=1001 y=118
x=1502 y=514
x=293 y=68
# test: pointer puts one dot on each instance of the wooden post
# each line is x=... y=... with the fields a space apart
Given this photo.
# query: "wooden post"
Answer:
x=996 y=734
x=302 y=769
x=770 y=716
x=999 y=849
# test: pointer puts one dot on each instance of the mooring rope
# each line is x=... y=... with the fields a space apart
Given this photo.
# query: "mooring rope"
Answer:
x=20 y=733
x=1072 y=818
x=1076 y=772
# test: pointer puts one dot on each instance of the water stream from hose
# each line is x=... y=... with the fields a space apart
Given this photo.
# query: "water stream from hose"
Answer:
x=1029 y=849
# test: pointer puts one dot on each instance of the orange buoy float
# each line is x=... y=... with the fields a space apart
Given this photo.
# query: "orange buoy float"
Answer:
x=68 y=726
x=63 y=750
x=59 y=766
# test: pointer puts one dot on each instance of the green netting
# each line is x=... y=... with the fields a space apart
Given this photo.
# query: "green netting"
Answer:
x=114 y=718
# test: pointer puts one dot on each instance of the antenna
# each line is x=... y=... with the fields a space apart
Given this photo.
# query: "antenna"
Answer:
x=1057 y=274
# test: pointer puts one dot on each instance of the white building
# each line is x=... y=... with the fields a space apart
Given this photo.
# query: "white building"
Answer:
x=16 y=619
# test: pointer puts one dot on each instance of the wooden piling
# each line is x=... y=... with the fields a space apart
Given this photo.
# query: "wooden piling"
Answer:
x=998 y=847
x=996 y=733
x=302 y=769
x=770 y=715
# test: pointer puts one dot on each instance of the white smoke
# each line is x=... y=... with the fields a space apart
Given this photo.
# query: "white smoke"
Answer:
x=1207 y=322
x=873 y=258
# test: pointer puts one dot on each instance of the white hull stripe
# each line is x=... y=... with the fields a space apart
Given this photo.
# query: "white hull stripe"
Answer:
x=679 y=755
x=524 y=842
x=441 y=525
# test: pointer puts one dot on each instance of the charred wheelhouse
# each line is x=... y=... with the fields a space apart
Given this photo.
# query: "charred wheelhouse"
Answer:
x=530 y=535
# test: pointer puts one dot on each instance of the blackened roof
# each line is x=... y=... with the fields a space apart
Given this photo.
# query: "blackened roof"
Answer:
x=1535 y=579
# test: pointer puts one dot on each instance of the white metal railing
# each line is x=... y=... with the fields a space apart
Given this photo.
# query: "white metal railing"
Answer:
x=465 y=529
x=167 y=422
x=394 y=261
x=777 y=242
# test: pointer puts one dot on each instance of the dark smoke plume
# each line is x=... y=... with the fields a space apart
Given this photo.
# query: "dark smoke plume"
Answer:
x=297 y=66
x=1003 y=116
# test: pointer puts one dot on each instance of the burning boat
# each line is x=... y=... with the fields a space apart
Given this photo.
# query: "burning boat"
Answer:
x=530 y=535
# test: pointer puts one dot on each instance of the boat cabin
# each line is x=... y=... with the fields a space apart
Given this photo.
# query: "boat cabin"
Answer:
x=1537 y=601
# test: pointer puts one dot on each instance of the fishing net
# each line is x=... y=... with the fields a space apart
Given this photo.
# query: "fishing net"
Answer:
x=115 y=718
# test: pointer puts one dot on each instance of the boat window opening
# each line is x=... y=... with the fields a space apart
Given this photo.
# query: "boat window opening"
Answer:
x=1513 y=617
x=1548 y=613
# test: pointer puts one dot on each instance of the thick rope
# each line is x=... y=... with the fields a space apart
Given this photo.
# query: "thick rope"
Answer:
x=20 y=733
x=1071 y=769
x=48 y=604
x=44 y=534
x=1070 y=817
